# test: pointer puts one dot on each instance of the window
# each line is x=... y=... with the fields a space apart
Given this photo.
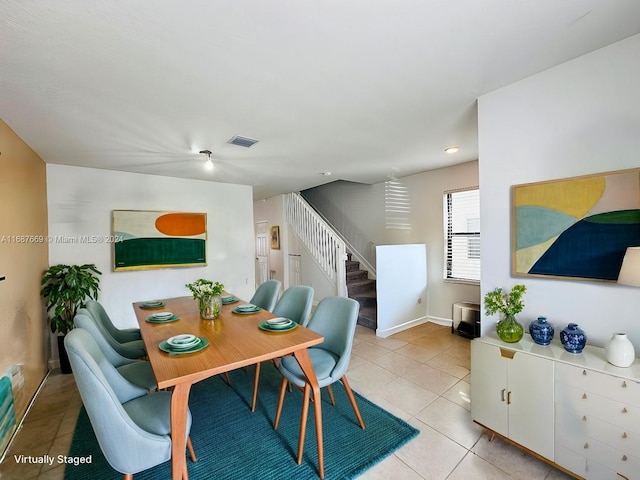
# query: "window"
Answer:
x=462 y=235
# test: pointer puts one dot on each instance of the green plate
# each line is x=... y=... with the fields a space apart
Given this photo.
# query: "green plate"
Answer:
x=172 y=318
x=271 y=328
x=228 y=300
x=246 y=312
x=152 y=305
x=165 y=347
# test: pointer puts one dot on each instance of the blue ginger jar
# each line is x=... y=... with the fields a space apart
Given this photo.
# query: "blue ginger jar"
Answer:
x=573 y=338
x=541 y=331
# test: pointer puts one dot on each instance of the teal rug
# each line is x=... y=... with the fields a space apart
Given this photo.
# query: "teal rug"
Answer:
x=233 y=443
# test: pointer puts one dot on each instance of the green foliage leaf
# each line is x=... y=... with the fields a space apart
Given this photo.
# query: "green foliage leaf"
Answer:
x=66 y=288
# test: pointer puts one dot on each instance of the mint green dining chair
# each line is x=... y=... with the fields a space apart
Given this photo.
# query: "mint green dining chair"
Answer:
x=295 y=304
x=137 y=372
x=133 y=428
x=335 y=319
x=127 y=342
x=266 y=295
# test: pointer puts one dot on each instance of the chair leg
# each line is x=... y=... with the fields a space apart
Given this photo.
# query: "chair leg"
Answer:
x=331 y=397
x=226 y=376
x=352 y=399
x=283 y=388
x=254 y=399
x=303 y=421
x=127 y=476
x=192 y=452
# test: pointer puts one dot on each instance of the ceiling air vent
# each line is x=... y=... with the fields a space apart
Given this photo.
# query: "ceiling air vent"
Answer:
x=242 y=141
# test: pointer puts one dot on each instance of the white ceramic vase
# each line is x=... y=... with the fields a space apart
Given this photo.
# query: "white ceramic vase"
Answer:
x=620 y=351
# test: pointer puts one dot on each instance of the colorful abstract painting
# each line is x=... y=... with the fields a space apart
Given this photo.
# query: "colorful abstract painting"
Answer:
x=148 y=239
x=578 y=227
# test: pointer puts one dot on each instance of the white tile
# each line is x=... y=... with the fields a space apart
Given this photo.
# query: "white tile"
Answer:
x=451 y=420
x=406 y=395
x=511 y=459
x=432 y=379
x=460 y=394
x=431 y=454
x=396 y=363
x=390 y=467
x=476 y=468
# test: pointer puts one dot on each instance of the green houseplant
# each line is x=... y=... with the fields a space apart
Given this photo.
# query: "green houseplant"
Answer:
x=66 y=288
x=509 y=304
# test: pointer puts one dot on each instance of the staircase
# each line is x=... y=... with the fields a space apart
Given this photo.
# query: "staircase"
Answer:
x=363 y=290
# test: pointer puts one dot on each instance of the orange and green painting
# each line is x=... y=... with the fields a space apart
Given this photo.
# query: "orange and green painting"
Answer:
x=577 y=228
x=148 y=239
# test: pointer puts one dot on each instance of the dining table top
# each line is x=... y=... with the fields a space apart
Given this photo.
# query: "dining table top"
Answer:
x=235 y=340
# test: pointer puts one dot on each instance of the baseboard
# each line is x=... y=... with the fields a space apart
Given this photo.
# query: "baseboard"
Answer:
x=53 y=363
x=399 y=328
x=447 y=322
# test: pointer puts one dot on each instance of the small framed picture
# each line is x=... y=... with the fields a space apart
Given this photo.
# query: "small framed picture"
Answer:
x=275 y=237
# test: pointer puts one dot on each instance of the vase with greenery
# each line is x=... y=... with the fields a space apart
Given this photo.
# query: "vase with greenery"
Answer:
x=208 y=295
x=508 y=304
x=66 y=288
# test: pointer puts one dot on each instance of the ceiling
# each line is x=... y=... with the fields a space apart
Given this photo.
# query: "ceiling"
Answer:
x=365 y=89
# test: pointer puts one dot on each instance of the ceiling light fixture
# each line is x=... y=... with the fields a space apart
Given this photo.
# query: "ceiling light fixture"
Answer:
x=209 y=163
x=452 y=149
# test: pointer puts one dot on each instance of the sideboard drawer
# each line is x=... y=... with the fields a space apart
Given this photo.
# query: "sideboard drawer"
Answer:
x=616 y=388
x=581 y=425
x=611 y=411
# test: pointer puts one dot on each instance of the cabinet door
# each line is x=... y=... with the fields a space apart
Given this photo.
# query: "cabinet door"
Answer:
x=530 y=398
x=489 y=387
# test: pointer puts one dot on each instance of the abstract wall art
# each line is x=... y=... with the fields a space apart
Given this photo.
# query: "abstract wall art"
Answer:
x=151 y=239
x=576 y=228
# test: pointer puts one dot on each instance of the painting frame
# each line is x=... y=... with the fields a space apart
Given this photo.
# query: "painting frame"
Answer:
x=152 y=239
x=575 y=228
x=275 y=237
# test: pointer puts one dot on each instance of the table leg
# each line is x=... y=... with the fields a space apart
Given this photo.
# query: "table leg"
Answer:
x=302 y=356
x=179 y=402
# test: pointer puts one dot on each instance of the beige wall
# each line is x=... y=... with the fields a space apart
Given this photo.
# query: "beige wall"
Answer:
x=23 y=212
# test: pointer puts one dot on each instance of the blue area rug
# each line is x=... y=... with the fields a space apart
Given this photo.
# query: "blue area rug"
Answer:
x=233 y=443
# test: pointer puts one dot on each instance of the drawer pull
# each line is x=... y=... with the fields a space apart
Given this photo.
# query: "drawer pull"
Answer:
x=624 y=409
x=584 y=396
x=584 y=372
x=584 y=418
x=503 y=390
x=624 y=384
x=624 y=434
x=586 y=445
x=509 y=397
x=624 y=458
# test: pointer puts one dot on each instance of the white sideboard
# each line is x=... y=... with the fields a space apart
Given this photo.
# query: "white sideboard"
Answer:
x=575 y=411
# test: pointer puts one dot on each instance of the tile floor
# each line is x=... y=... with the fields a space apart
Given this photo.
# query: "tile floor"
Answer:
x=421 y=375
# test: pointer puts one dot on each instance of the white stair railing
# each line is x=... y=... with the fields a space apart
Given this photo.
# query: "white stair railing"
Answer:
x=324 y=245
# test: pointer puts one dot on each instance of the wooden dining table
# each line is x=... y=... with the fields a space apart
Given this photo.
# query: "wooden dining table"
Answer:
x=235 y=341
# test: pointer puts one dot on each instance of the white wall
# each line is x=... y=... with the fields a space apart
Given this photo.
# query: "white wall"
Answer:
x=581 y=117
x=401 y=287
x=81 y=200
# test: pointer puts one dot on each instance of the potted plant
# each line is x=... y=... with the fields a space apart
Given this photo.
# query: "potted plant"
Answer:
x=66 y=288
x=509 y=304
x=207 y=293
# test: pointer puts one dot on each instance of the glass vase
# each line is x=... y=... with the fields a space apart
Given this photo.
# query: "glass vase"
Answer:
x=509 y=330
x=210 y=306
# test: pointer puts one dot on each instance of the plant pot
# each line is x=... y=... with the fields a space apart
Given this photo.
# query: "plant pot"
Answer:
x=509 y=330
x=65 y=365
